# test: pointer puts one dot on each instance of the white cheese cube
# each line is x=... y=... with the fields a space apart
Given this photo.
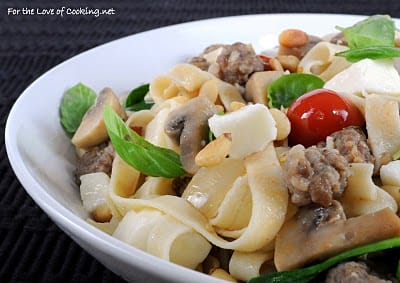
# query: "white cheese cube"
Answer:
x=252 y=128
x=365 y=77
x=93 y=188
x=390 y=173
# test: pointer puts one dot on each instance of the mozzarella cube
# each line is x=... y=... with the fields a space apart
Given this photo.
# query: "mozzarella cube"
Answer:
x=93 y=189
x=365 y=77
x=390 y=173
x=252 y=128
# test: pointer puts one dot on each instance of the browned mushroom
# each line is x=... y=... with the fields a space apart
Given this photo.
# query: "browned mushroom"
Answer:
x=188 y=127
x=92 y=130
x=308 y=236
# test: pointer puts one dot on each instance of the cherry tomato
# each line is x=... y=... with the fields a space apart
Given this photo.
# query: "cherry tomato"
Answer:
x=319 y=113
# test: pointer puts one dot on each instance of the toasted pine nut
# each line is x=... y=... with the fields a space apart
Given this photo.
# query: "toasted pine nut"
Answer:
x=222 y=274
x=289 y=62
x=214 y=152
x=282 y=123
x=275 y=64
x=102 y=213
x=236 y=105
x=220 y=108
x=293 y=38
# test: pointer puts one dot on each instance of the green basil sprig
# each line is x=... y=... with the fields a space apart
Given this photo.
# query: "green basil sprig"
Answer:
x=288 y=88
x=377 y=30
x=306 y=274
x=74 y=104
x=136 y=151
x=372 y=38
x=371 y=52
x=135 y=99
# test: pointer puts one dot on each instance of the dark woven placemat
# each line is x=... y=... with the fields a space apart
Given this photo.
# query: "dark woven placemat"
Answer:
x=32 y=248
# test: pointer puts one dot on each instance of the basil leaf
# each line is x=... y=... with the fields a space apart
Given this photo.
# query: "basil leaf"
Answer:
x=137 y=152
x=377 y=30
x=306 y=274
x=372 y=52
x=74 y=104
x=288 y=88
x=135 y=99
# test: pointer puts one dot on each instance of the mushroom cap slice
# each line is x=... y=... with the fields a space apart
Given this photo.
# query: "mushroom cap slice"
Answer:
x=298 y=243
x=92 y=130
x=188 y=127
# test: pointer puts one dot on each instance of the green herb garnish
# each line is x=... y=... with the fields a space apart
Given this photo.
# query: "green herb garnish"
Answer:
x=288 y=88
x=371 y=52
x=377 y=30
x=372 y=38
x=136 y=151
x=306 y=274
x=135 y=99
x=74 y=104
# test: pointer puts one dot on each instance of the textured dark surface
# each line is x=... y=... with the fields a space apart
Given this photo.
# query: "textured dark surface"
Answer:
x=32 y=248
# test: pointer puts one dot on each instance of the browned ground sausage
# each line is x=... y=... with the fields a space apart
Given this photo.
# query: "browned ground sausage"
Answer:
x=315 y=175
x=97 y=159
x=235 y=63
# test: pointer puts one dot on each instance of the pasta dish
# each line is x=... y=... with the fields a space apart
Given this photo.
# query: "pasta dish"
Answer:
x=250 y=166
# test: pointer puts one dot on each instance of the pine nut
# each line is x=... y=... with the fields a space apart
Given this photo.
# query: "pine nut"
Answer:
x=214 y=152
x=102 y=213
x=289 y=62
x=275 y=64
x=235 y=105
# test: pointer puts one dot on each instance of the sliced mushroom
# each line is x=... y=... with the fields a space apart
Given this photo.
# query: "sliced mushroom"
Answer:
x=308 y=237
x=256 y=86
x=92 y=130
x=188 y=127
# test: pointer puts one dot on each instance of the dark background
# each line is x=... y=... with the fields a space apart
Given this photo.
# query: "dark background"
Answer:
x=32 y=247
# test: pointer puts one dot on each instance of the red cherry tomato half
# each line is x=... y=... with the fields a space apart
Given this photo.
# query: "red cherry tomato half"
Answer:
x=319 y=113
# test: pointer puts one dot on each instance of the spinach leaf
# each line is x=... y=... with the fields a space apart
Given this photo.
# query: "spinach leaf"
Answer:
x=371 y=52
x=136 y=151
x=288 y=88
x=74 y=104
x=306 y=274
x=377 y=30
x=135 y=99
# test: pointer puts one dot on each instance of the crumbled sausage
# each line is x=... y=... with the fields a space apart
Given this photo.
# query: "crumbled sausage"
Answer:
x=352 y=143
x=200 y=62
x=352 y=272
x=97 y=159
x=315 y=175
x=235 y=63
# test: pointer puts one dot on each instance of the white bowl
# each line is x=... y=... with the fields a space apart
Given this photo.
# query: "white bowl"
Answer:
x=43 y=158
